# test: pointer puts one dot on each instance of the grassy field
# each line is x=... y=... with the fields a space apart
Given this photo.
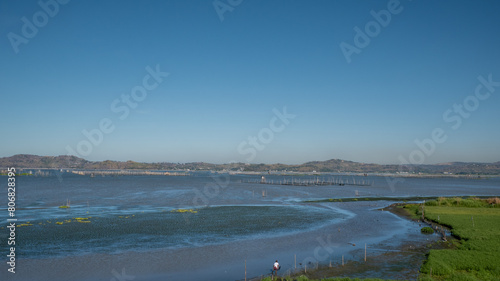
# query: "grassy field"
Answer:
x=304 y=278
x=476 y=222
x=402 y=199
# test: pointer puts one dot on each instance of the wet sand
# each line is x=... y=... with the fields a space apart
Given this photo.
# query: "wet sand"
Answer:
x=380 y=230
x=401 y=262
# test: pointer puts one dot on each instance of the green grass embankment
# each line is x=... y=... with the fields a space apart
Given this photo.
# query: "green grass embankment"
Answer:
x=476 y=222
x=394 y=199
x=304 y=278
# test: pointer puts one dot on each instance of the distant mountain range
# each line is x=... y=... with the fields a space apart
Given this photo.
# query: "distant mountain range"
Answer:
x=334 y=165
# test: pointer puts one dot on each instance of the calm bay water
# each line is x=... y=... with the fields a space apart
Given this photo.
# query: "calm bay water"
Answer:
x=139 y=213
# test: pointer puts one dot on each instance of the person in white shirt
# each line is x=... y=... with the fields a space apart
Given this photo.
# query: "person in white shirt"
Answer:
x=276 y=267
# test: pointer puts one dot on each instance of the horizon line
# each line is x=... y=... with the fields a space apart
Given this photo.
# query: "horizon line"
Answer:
x=262 y=163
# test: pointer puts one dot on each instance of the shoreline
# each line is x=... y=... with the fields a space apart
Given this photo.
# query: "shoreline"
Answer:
x=226 y=262
x=407 y=259
x=393 y=244
x=462 y=265
x=392 y=251
x=44 y=172
x=404 y=257
x=394 y=199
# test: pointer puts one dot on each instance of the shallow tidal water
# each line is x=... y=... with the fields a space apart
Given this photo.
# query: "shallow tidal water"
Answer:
x=131 y=225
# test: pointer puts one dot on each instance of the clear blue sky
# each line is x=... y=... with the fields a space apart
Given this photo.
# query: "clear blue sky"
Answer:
x=226 y=77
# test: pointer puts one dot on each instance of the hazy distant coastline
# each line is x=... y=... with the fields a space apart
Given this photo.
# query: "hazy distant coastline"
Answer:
x=329 y=166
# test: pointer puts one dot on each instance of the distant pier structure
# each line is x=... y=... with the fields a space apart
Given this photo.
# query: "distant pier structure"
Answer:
x=317 y=181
